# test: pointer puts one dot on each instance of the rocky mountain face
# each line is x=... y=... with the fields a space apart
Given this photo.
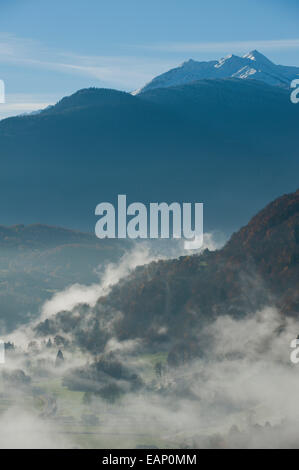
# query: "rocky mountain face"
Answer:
x=253 y=65
x=165 y=304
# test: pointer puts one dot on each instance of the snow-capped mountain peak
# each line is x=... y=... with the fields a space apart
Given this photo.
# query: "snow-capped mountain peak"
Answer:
x=227 y=59
x=253 y=65
x=256 y=56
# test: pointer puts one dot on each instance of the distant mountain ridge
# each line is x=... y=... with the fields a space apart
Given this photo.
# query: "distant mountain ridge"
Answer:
x=38 y=236
x=253 y=65
x=229 y=143
x=38 y=260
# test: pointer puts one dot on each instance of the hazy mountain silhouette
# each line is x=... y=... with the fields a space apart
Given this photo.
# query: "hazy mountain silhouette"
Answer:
x=229 y=143
x=37 y=260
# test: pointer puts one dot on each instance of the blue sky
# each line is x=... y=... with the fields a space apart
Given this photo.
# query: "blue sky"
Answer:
x=52 y=48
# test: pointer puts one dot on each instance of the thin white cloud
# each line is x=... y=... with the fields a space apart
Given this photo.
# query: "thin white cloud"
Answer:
x=22 y=103
x=223 y=46
x=12 y=46
x=14 y=109
x=127 y=72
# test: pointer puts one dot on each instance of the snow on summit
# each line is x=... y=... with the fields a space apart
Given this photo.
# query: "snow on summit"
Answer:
x=252 y=65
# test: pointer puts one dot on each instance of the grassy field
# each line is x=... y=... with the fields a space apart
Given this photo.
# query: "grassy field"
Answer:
x=69 y=413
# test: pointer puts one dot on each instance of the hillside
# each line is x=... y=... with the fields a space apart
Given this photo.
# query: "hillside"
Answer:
x=166 y=303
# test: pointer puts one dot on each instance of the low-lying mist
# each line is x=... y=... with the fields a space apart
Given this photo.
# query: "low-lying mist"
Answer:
x=239 y=391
